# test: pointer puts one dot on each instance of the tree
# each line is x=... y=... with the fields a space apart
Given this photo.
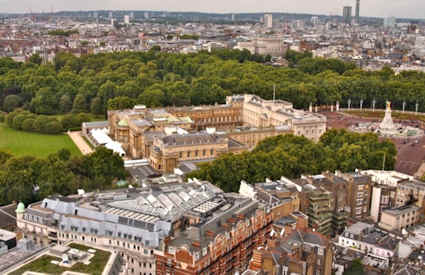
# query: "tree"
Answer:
x=45 y=102
x=68 y=122
x=28 y=125
x=129 y=89
x=11 y=102
x=4 y=157
x=65 y=104
x=96 y=106
x=80 y=104
x=291 y=156
x=104 y=165
x=107 y=91
x=120 y=103
x=53 y=127
x=18 y=121
x=356 y=268
x=152 y=98
x=36 y=59
x=40 y=124
x=178 y=94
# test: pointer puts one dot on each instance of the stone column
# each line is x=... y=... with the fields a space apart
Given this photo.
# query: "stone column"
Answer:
x=337 y=106
x=349 y=104
x=316 y=108
x=310 y=108
x=404 y=105
x=361 y=104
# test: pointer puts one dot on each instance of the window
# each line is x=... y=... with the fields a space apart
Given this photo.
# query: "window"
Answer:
x=180 y=154
x=204 y=152
x=188 y=154
x=212 y=152
x=196 y=153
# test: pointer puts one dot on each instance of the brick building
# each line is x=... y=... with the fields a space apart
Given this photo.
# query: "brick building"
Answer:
x=301 y=252
x=187 y=228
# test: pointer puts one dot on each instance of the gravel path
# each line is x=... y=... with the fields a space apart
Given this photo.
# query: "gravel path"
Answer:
x=80 y=142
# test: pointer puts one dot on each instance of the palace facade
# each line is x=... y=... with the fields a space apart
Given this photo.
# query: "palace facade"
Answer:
x=168 y=136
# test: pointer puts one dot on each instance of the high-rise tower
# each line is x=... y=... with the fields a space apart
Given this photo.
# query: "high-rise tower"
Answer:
x=346 y=14
x=357 y=11
x=268 y=20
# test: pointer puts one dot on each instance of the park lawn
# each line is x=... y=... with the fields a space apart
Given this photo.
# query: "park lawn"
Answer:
x=20 y=143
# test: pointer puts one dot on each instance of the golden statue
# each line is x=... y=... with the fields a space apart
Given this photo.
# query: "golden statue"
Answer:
x=388 y=105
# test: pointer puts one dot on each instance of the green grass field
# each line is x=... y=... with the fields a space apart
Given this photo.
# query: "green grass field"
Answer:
x=20 y=143
x=43 y=265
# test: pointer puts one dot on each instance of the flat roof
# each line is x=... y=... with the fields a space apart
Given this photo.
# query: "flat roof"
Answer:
x=6 y=235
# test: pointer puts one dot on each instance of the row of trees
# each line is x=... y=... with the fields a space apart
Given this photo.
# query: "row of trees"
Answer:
x=30 y=179
x=30 y=122
x=60 y=32
x=86 y=84
x=292 y=156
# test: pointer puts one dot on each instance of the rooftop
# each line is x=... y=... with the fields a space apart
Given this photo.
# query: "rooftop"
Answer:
x=91 y=260
x=401 y=210
x=145 y=214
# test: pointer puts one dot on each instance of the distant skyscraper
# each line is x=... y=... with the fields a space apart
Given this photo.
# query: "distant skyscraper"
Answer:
x=132 y=15
x=315 y=20
x=233 y=17
x=357 y=11
x=111 y=15
x=126 y=19
x=268 y=20
x=389 y=22
x=146 y=15
x=346 y=14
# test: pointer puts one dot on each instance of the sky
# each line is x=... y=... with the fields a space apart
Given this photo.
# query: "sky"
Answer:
x=379 y=8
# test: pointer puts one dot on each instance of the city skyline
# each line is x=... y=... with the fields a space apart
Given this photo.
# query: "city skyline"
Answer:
x=377 y=8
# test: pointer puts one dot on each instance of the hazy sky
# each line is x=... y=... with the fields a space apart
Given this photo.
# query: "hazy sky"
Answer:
x=382 y=8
